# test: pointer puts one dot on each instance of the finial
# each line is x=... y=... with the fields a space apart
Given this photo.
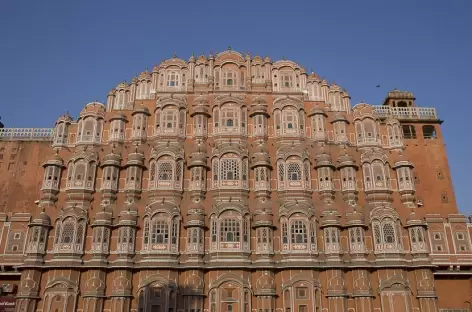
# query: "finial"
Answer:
x=193 y=54
x=146 y=69
x=230 y=199
x=283 y=57
x=168 y=143
x=175 y=55
x=56 y=151
x=229 y=48
x=163 y=200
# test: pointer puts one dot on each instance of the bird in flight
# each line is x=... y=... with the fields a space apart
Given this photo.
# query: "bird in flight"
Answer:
x=378 y=86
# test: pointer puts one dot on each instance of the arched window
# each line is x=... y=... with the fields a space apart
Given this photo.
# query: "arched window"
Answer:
x=395 y=137
x=230 y=171
x=71 y=235
x=367 y=132
x=298 y=235
x=166 y=173
x=295 y=172
x=173 y=78
x=386 y=237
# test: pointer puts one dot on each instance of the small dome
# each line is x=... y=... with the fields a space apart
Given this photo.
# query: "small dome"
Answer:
x=141 y=110
x=355 y=216
x=345 y=160
x=117 y=116
x=398 y=94
x=330 y=216
x=263 y=214
x=323 y=158
x=339 y=117
x=103 y=217
x=64 y=118
x=313 y=77
x=400 y=160
x=202 y=58
x=196 y=205
x=122 y=85
x=202 y=109
x=316 y=111
x=334 y=87
x=145 y=75
x=41 y=218
x=198 y=157
x=260 y=159
x=54 y=160
x=258 y=109
x=112 y=159
x=197 y=218
x=135 y=159
x=95 y=108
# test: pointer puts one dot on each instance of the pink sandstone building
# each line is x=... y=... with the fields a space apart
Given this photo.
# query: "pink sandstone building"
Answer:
x=231 y=183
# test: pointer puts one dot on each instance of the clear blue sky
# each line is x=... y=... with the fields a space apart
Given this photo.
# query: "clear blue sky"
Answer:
x=57 y=55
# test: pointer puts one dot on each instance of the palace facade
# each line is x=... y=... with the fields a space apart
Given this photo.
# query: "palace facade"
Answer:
x=231 y=183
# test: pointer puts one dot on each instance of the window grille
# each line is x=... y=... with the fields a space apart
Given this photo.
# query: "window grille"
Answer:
x=229 y=230
x=299 y=232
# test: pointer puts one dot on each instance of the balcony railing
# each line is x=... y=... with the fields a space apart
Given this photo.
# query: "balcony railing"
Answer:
x=406 y=113
x=27 y=134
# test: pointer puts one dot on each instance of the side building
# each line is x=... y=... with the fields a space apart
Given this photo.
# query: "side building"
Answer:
x=232 y=183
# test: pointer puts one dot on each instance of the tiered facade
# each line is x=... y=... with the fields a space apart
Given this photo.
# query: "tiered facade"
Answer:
x=233 y=184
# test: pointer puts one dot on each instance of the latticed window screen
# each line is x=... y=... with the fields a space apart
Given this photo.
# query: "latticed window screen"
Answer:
x=299 y=232
x=67 y=235
x=80 y=233
x=294 y=172
x=178 y=171
x=165 y=171
x=306 y=171
x=388 y=233
x=160 y=232
x=281 y=172
x=377 y=233
x=229 y=230
x=153 y=171
x=334 y=236
x=230 y=169
x=244 y=171
x=359 y=236
x=327 y=236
